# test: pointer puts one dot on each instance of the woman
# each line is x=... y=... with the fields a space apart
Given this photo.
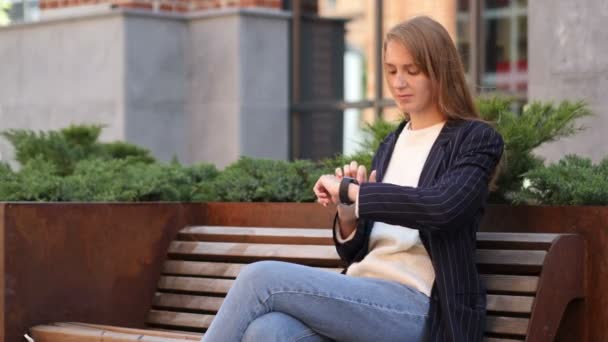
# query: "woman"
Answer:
x=407 y=233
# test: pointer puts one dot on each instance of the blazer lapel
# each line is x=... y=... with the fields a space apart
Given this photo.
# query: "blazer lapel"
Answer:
x=386 y=150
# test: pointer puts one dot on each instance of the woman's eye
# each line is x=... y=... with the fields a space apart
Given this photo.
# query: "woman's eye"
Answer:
x=413 y=71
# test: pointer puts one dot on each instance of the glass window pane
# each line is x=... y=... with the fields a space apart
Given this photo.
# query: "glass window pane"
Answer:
x=15 y=13
x=497 y=64
x=497 y=44
x=522 y=54
x=463 y=28
x=463 y=5
x=496 y=3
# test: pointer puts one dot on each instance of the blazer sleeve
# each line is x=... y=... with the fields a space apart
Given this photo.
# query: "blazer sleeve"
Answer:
x=451 y=201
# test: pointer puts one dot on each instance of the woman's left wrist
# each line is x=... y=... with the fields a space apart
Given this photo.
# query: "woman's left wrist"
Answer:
x=353 y=192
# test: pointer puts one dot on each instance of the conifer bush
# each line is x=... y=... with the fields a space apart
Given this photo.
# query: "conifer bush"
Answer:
x=72 y=165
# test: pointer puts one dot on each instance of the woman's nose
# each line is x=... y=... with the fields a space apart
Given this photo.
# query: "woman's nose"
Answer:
x=399 y=82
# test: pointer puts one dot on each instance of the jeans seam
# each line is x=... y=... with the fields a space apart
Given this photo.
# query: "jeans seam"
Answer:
x=311 y=333
x=345 y=299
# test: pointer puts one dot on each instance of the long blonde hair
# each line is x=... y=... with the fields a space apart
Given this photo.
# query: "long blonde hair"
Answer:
x=435 y=54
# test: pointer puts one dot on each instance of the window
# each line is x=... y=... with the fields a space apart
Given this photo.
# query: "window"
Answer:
x=502 y=56
x=23 y=10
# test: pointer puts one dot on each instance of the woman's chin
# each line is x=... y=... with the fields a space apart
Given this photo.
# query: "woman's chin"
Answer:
x=405 y=107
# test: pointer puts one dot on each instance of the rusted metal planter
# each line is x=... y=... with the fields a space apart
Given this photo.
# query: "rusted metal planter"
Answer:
x=100 y=262
x=85 y=262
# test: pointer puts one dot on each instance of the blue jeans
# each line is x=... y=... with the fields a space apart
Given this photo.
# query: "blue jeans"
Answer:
x=279 y=301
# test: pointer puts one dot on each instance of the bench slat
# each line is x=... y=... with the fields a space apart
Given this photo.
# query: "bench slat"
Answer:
x=305 y=254
x=308 y=254
x=515 y=240
x=143 y=333
x=179 y=319
x=499 y=303
x=202 y=268
x=201 y=285
x=503 y=303
x=493 y=282
x=81 y=332
x=211 y=269
x=324 y=236
x=510 y=257
x=257 y=235
x=189 y=302
x=506 y=325
x=510 y=283
x=54 y=333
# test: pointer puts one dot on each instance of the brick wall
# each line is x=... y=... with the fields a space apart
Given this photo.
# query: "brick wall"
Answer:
x=177 y=5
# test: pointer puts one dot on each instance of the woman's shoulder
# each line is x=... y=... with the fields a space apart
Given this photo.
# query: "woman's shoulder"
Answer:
x=476 y=129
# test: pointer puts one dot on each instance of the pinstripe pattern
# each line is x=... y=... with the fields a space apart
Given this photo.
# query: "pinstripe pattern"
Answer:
x=446 y=208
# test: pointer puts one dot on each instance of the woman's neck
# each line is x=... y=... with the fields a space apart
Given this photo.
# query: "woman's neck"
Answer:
x=426 y=119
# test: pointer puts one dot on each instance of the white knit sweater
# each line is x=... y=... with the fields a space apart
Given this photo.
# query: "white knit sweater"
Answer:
x=396 y=252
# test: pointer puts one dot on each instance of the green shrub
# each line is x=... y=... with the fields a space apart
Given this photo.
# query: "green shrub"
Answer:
x=571 y=181
x=375 y=133
x=123 y=150
x=131 y=180
x=262 y=180
x=66 y=147
x=71 y=165
x=538 y=123
x=38 y=180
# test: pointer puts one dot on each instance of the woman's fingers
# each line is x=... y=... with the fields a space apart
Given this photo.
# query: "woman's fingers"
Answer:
x=372 y=176
x=350 y=170
x=346 y=169
x=361 y=174
x=339 y=173
x=353 y=169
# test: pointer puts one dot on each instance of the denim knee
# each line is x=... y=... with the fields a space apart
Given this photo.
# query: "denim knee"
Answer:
x=278 y=327
x=260 y=271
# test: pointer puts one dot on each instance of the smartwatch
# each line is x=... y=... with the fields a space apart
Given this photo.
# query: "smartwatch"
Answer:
x=344 y=183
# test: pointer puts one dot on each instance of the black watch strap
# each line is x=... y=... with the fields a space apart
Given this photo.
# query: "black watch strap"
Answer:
x=344 y=190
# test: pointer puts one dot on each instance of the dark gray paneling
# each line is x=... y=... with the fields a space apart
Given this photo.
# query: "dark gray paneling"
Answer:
x=322 y=78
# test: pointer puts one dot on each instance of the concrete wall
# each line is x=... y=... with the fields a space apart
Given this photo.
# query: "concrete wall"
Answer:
x=568 y=45
x=207 y=87
x=155 y=77
x=264 y=89
x=55 y=74
x=214 y=89
x=239 y=86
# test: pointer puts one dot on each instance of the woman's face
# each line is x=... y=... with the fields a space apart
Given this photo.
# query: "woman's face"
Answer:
x=409 y=86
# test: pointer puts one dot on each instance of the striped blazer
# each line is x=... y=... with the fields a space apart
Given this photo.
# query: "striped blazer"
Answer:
x=446 y=208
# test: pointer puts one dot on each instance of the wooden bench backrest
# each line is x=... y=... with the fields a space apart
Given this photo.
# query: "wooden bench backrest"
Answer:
x=203 y=262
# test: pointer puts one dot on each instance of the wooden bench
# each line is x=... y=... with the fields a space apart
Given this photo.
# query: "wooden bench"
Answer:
x=530 y=278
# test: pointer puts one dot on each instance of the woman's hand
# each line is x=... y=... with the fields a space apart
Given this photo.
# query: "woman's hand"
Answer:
x=327 y=187
x=353 y=170
x=327 y=190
